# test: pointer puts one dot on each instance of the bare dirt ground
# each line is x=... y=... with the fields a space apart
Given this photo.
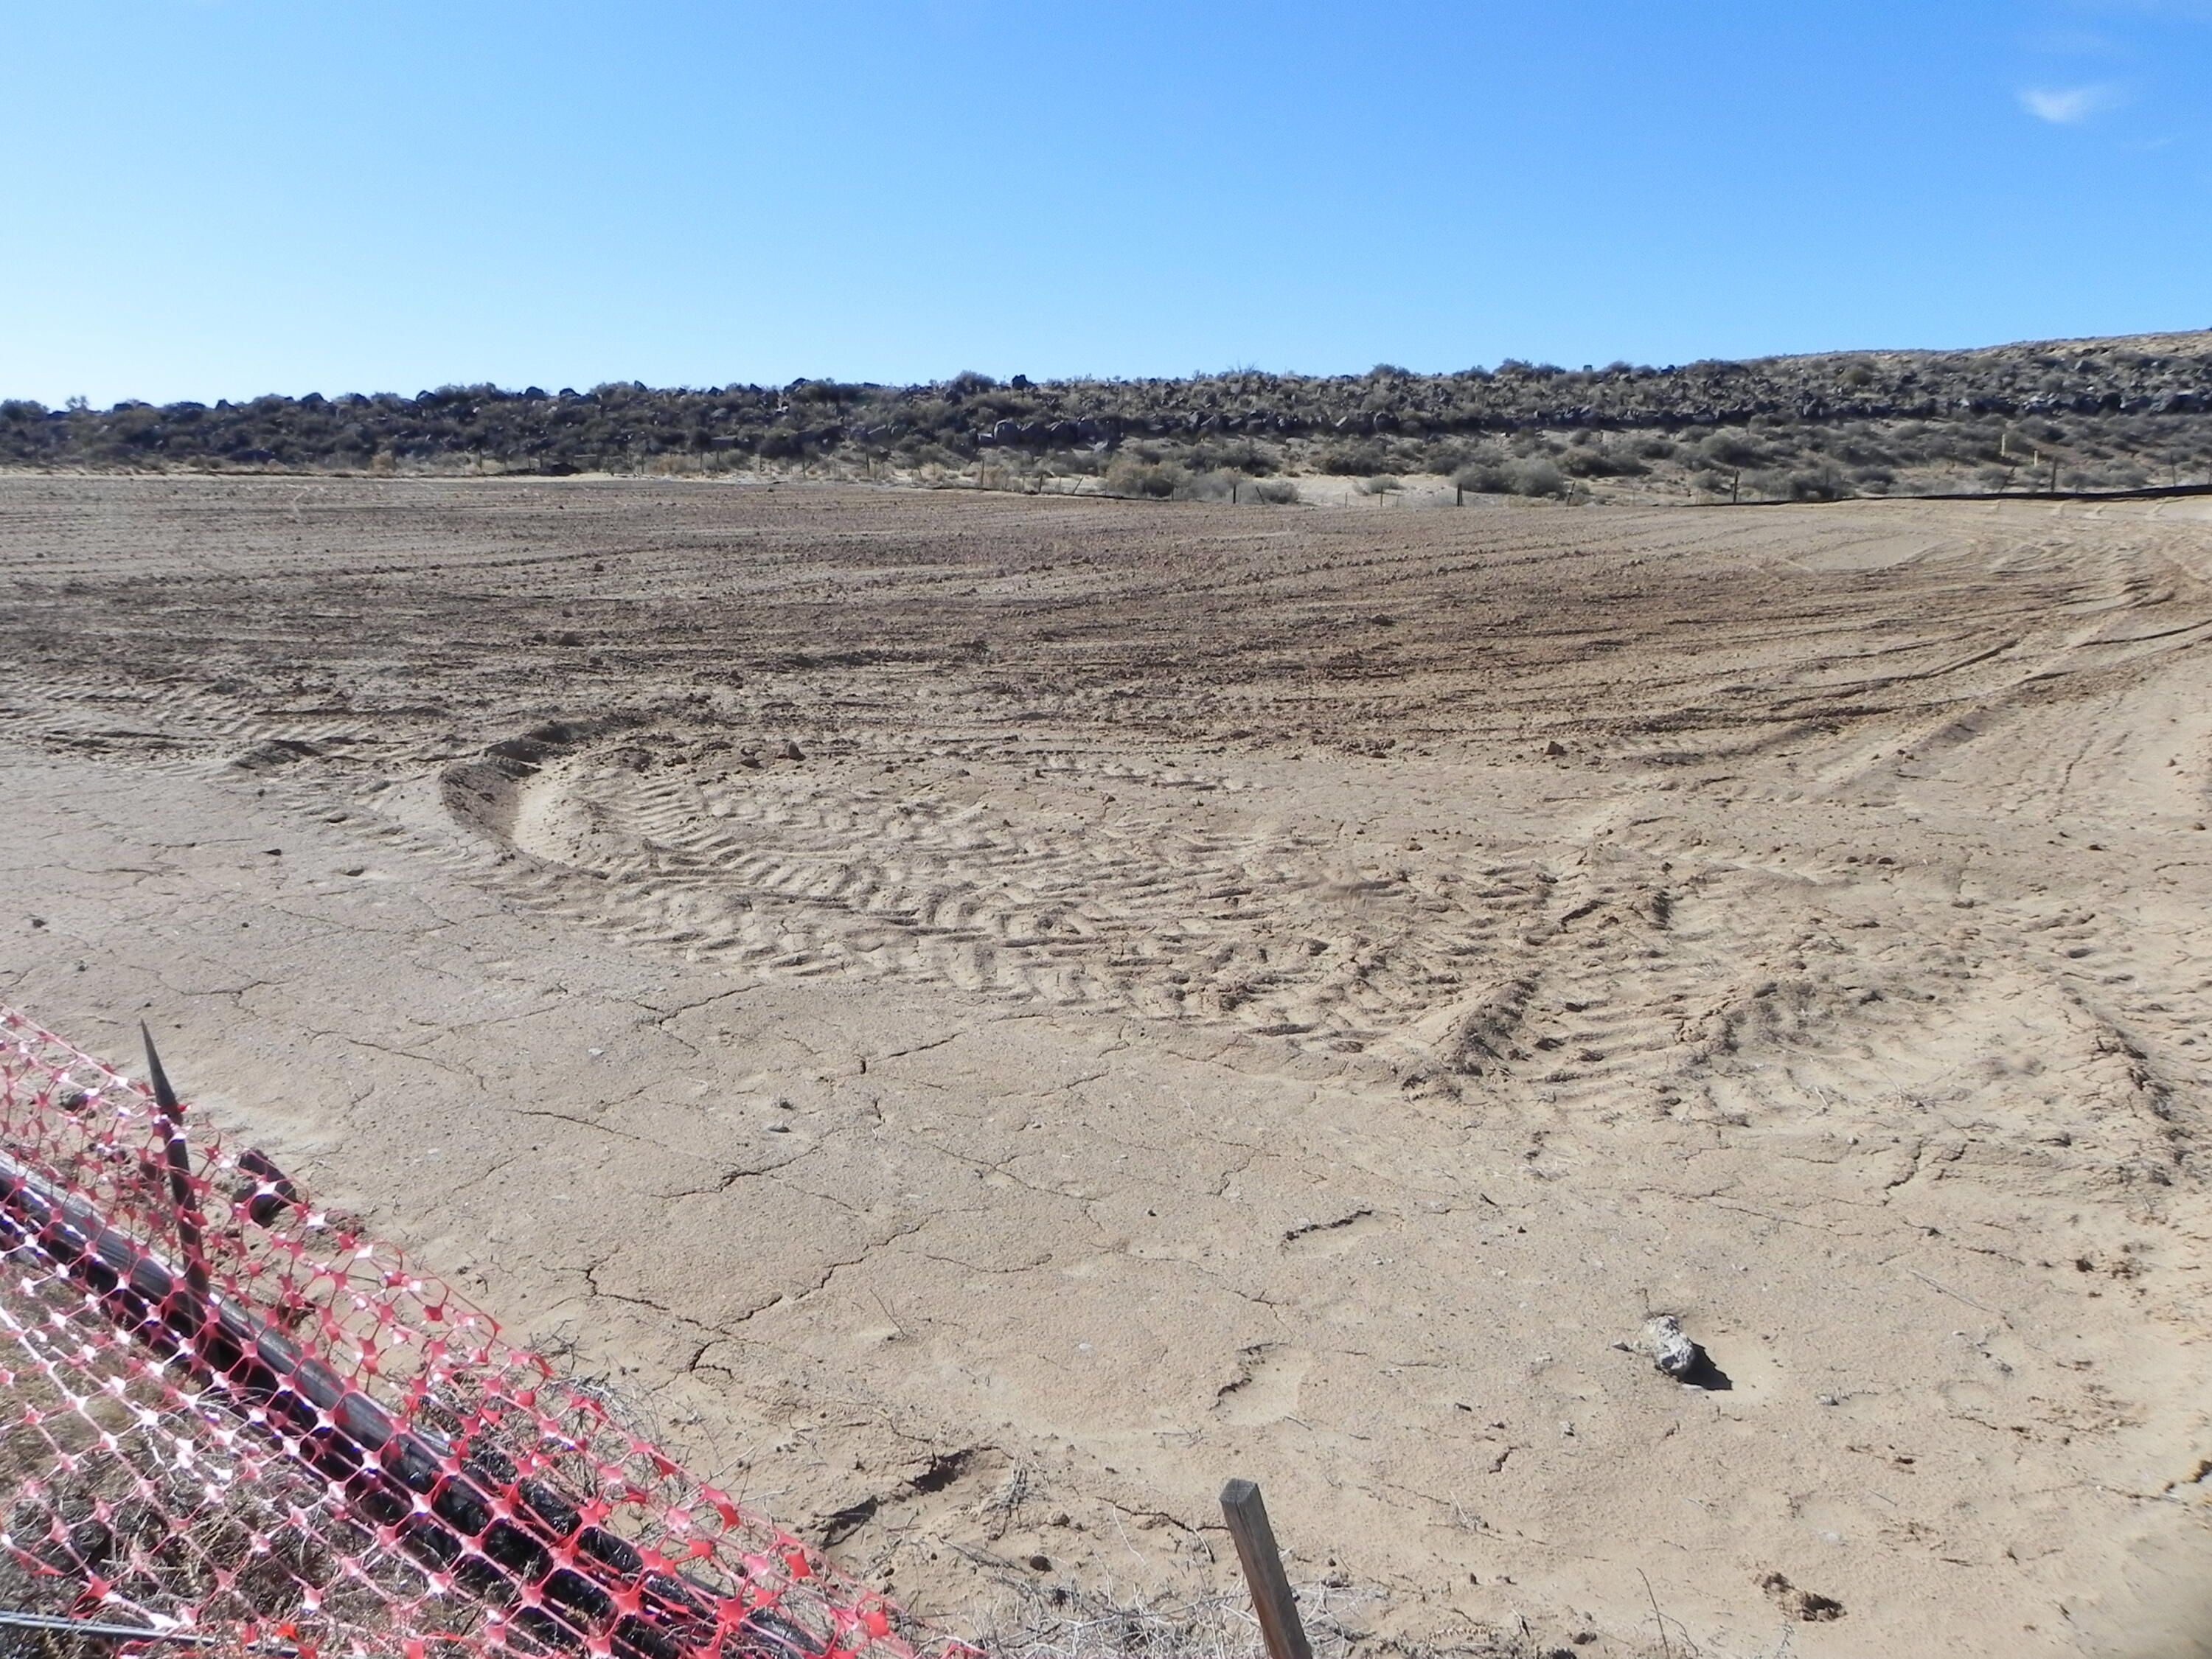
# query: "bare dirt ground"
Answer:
x=983 y=1017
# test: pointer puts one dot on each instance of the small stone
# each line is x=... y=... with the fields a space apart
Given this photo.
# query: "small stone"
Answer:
x=1830 y=1399
x=1671 y=1351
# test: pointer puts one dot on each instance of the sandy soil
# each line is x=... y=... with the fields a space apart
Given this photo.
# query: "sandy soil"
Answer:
x=983 y=1017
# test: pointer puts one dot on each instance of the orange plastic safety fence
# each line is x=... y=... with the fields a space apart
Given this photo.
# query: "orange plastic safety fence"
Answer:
x=256 y=1423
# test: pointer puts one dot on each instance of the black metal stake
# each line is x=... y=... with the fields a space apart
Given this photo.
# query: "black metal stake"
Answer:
x=180 y=1174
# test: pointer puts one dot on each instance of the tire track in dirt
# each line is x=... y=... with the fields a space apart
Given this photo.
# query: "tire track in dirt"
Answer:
x=1031 y=891
x=1845 y=643
x=1842 y=643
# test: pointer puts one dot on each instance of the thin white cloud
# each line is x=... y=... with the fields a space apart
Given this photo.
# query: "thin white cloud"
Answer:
x=2068 y=106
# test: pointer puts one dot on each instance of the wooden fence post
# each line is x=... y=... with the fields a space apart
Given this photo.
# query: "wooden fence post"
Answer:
x=1263 y=1571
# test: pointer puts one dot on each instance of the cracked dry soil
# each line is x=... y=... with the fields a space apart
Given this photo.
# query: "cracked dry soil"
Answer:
x=979 y=1018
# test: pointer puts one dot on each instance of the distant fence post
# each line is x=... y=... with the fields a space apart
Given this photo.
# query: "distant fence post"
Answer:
x=1262 y=1562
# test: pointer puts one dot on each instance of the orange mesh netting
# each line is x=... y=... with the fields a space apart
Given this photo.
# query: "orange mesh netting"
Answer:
x=222 y=1412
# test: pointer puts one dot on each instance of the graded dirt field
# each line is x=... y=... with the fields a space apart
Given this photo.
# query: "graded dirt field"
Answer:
x=982 y=1017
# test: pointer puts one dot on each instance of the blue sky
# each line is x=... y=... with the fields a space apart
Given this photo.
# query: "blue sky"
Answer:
x=222 y=198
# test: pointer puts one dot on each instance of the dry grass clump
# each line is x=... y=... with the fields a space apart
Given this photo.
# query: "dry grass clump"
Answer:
x=1040 y=1619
